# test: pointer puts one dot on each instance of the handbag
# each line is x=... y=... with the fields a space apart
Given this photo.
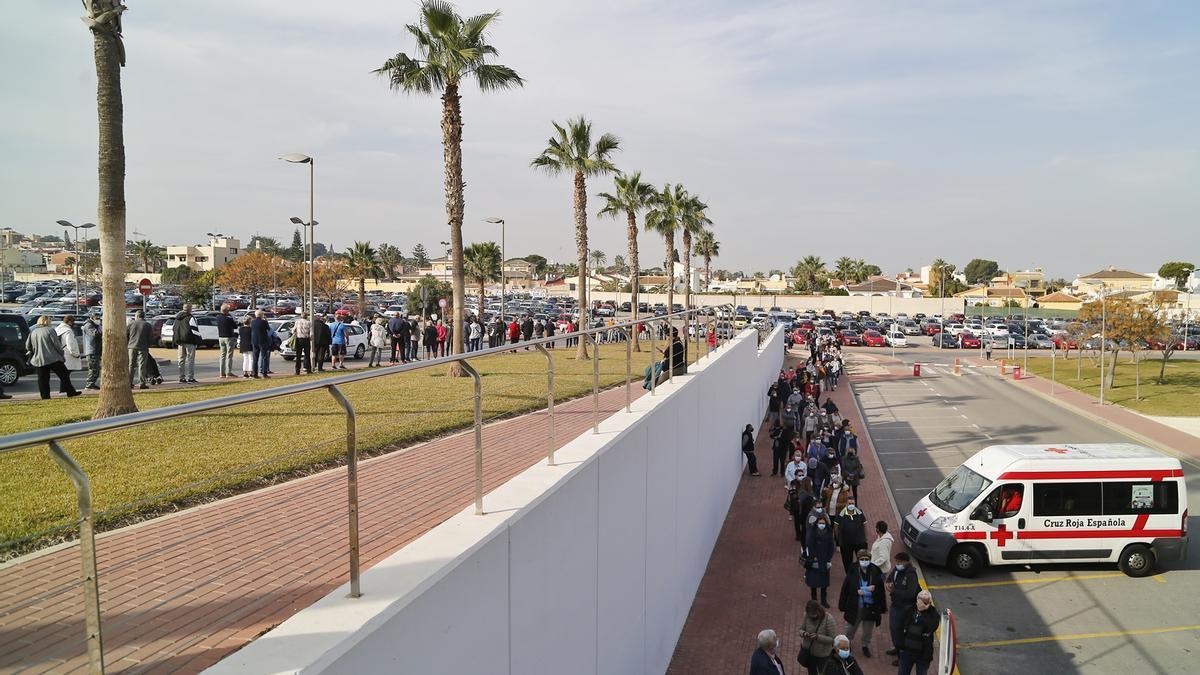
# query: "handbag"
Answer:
x=804 y=657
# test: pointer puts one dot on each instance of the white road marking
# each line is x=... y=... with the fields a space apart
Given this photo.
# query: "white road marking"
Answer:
x=918 y=452
x=924 y=468
x=922 y=489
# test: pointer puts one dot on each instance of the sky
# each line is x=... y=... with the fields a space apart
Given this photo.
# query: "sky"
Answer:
x=1053 y=134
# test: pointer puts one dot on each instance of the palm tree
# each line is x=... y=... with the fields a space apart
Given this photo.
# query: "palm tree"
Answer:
x=362 y=262
x=482 y=264
x=598 y=258
x=844 y=268
x=148 y=253
x=692 y=221
x=571 y=150
x=103 y=18
x=664 y=218
x=630 y=197
x=810 y=270
x=707 y=247
x=619 y=264
x=268 y=245
x=389 y=259
x=450 y=49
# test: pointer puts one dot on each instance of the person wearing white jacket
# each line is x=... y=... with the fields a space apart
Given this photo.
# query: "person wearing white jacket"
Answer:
x=72 y=356
x=377 y=340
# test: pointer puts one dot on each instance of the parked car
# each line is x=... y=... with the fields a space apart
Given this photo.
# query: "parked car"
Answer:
x=356 y=340
x=969 y=340
x=13 y=364
x=208 y=330
x=1039 y=341
x=896 y=339
x=850 y=338
x=873 y=338
x=945 y=341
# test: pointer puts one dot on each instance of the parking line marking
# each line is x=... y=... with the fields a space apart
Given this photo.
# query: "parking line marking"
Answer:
x=1078 y=636
x=1040 y=580
x=923 y=489
x=1159 y=579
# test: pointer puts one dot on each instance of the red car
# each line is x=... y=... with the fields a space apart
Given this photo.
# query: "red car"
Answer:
x=931 y=328
x=1064 y=342
x=968 y=340
x=849 y=338
x=873 y=338
x=799 y=336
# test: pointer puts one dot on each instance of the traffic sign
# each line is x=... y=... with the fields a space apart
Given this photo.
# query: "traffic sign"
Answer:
x=442 y=303
x=145 y=287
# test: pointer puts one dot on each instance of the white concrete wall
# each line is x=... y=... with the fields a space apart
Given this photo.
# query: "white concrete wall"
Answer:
x=589 y=566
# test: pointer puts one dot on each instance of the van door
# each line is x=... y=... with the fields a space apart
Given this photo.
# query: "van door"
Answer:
x=999 y=517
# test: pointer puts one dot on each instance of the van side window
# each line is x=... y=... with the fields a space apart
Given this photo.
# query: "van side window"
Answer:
x=1131 y=497
x=1066 y=499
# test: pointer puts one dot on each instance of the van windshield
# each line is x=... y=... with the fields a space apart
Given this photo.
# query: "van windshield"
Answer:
x=958 y=490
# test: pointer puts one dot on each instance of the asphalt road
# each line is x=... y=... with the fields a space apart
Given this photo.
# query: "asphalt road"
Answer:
x=1075 y=618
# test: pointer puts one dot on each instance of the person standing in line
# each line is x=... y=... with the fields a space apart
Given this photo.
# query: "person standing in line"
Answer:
x=260 y=342
x=816 y=637
x=851 y=533
x=748 y=449
x=818 y=565
x=414 y=340
x=302 y=331
x=550 y=333
x=339 y=336
x=765 y=661
x=227 y=338
x=863 y=599
x=852 y=469
x=397 y=329
x=495 y=329
x=881 y=548
x=3 y=396
x=902 y=587
x=475 y=336
x=245 y=346
x=322 y=338
x=138 y=344
x=378 y=341
x=773 y=404
x=430 y=339
x=93 y=343
x=45 y=349
x=441 y=334
x=800 y=503
x=781 y=445
x=186 y=335
x=72 y=356
x=841 y=661
x=916 y=636
x=514 y=331
x=527 y=330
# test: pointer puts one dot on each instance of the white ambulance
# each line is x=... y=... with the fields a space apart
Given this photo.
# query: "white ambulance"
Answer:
x=1023 y=504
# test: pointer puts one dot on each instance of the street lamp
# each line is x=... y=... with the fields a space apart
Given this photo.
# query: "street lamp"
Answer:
x=1103 y=356
x=493 y=220
x=298 y=158
x=213 y=245
x=78 y=254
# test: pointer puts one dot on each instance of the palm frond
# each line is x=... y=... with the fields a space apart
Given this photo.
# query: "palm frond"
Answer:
x=475 y=28
x=493 y=77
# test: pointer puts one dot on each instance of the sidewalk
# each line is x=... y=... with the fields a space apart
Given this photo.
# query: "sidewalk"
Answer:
x=180 y=592
x=754 y=580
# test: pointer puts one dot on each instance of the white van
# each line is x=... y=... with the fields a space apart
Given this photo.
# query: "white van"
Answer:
x=1018 y=504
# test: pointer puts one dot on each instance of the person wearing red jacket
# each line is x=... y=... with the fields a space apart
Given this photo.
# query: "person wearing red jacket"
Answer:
x=514 y=331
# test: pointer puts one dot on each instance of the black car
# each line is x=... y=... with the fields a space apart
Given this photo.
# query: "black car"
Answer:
x=945 y=341
x=13 y=331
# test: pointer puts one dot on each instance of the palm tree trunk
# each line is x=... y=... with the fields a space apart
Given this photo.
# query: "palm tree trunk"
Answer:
x=452 y=154
x=687 y=269
x=707 y=272
x=581 y=251
x=362 y=298
x=670 y=270
x=631 y=231
x=116 y=396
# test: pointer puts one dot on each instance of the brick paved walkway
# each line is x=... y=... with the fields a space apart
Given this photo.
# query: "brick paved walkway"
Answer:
x=179 y=593
x=754 y=580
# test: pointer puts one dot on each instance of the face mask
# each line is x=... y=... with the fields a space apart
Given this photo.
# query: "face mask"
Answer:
x=850 y=508
x=818 y=509
x=820 y=526
x=863 y=563
x=844 y=653
x=900 y=567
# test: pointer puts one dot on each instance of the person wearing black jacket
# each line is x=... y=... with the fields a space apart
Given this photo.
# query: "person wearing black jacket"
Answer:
x=321 y=339
x=748 y=449
x=414 y=337
x=781 y=445
x=398 y=330
x=550 y=332
x=765 y=660
x=227 y=330
x=773 y=404
x=676 y=354
x=527 y=329
x=863 y=599
x=260 y=341
x=430 y=339
x=850 y=528
x=916 y=636
x=903 y=586
x=244 y=347
x=93 y=343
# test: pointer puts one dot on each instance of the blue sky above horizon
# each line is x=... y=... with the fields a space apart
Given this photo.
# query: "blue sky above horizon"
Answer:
x=1052 y=134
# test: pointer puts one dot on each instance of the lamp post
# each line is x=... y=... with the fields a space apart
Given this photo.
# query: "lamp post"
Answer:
x=78 y=254
x=503 y=260
x=213 y=236
x=298 y=158
x=1103 y=321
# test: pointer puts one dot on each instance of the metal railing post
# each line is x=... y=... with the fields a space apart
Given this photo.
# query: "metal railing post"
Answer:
x=87 y=551
x=351 y=485
x=628 y=369
x=478 y=435
x=549 y=402
x=595 y=383
x=653 y=355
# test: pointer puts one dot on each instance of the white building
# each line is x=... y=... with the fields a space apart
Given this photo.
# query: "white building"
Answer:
x=202 y=258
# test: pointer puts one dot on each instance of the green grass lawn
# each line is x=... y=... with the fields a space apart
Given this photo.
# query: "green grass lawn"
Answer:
x=1179 y=395
x=158 y=466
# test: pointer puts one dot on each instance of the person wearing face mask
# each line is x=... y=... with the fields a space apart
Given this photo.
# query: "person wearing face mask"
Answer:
x=841 y=661
x=818 y=473
x=881 y=550
x=748 y=450
x=819 y=562
x=835 y=496
x=916 y=636
x=816 y=638
x=902 y=587
x=852 y=470
x=800 y=502
x=850 y=530
x=863 y=599
x=765 y=661
x=781 y=443
x=797 y=469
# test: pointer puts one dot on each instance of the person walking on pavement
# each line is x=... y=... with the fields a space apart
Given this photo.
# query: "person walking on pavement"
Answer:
x=902 y=587
x=186 y=336
x=227 y=331
x=816 y=637
x=260 y=342
x=881 y=548
x=245 y=347
x=765 y=661
x=302 y=330
x=321 y=341
x=93 y=344
x=863 y=599
x=851 y=533
x=987 y=347
x=45 y=349
x=748 y=449
x=140 y=333
x=841 y=661
x=339 y=339
x=819 y=563
x=916 y=636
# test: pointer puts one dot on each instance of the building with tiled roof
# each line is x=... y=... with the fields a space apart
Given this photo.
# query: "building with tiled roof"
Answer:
x=1111 y=279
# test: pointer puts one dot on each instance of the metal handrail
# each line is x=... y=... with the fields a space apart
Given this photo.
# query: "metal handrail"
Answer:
x=53 y=436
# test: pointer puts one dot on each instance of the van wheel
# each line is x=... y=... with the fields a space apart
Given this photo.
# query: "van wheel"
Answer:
x=1137 y=560
x=966 y=560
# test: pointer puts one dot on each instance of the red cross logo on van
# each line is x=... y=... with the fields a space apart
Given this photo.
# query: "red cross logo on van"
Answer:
x=1060 y=451
x=1002 y=535
x=921 y=513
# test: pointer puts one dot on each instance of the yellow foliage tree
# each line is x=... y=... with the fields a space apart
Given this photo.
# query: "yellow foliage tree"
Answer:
x=253 y=273
x=1127 y=324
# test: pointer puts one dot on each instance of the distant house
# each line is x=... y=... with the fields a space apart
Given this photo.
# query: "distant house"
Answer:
x=994 y=297
x=1060 y=300
x=883 y=286
x=1111 y=279
x=201 y=258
